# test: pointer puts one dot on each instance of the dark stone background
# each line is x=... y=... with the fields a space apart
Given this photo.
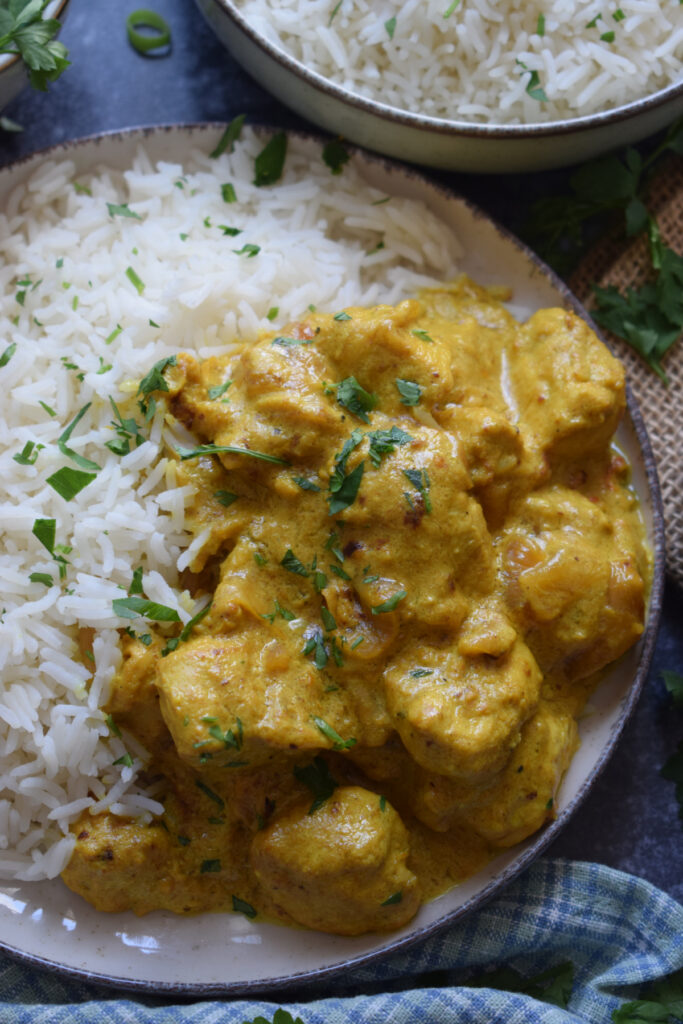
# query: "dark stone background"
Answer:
x=630 y=819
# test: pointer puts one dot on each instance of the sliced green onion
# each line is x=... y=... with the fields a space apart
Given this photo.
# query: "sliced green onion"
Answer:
x=144 y=42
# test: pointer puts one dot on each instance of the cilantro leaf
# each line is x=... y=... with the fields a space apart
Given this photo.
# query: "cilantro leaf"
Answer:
x=318 y=778
x=65 y=436
x=390 y=604
x=292 y=564
x=335 y=155
x=332 y=734
x=229 y=137
x=383 y=442
x=409 y=391
x=355 y=398
x=420 y=481
x=346 y=493
x=270 y=162
x=132 y=607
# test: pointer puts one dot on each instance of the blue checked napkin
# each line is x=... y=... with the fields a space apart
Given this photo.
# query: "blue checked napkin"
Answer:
x=618 y=931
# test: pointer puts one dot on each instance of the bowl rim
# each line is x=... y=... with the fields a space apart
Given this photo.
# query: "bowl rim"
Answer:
x=542 y=839
x=14 y=58
x=437 y=125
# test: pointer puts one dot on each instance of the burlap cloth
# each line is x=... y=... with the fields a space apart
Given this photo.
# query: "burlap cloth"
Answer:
x=624 y=264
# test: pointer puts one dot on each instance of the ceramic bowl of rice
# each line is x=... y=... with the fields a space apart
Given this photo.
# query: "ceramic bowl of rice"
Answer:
x=466 y=84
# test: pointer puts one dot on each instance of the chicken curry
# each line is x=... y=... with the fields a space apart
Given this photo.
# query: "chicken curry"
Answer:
x=420 y=548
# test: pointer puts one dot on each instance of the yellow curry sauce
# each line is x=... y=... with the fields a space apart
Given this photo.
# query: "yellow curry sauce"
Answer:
x=412 y=595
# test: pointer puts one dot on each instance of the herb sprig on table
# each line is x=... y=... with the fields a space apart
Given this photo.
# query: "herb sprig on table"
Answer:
x=649 y=318
x=24 y=31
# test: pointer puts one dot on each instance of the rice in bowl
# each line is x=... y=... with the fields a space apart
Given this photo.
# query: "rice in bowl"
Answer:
x=474 y=61
x=102 y=275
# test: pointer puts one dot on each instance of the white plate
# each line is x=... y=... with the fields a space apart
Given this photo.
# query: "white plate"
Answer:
x=225 y=953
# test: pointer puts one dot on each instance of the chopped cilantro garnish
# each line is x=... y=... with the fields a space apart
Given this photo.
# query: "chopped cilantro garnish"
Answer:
x=269 y=164
x=214 y=449
x=226 y=498
x=29 y=453
x=335 y=155
x=390 y=26
x=45 y=530
x=282 y=612
x=317 y=777
x=218 y=390
x=285 y=342
x=540 y=25
x=229 y=137
x=69 y=482
x=292 y=564
x=329 y=621
x=383 y=442
x=122 y=210
x=135 y=280
x=41 y=577
x=114 y=334
x=228 y=193
x=355 y=398
x=333 y=735
x=409 y=391
x=390 y=604
x=395 y=897
x=7 y=354
x=126 y=761
x=418 y=673
x=210 y=793
x=341 y=316
x=451 y=7
x=249 y=250
x=210 y=867
x=420 y=481
x=272 y=313
x=70 y=454
x=242 y=907
x=305 y=484
x=132 y=607
x=422 y=335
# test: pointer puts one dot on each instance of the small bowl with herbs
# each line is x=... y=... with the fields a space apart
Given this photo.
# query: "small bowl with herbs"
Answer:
x=30 y=53
x=465 y=84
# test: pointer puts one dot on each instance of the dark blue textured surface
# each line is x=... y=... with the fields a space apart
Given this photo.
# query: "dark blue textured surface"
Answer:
x=630 y=819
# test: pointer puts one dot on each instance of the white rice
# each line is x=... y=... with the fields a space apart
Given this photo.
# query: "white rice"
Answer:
x=476 y=62
x=316 y=231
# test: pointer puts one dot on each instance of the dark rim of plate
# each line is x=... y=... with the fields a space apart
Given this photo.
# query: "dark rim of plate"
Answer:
x=439 y=125
x=281 y=984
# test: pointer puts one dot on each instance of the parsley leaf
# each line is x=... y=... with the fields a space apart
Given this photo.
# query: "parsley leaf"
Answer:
x=24 y=31
x=68 y=482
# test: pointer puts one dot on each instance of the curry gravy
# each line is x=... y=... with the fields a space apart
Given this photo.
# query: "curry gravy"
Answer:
x=420 y=548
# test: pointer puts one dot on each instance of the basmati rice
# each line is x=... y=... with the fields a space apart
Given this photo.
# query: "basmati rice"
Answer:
x=499 y=63
x=84 y=334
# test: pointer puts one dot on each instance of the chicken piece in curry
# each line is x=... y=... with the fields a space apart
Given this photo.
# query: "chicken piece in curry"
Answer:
x=421 y=548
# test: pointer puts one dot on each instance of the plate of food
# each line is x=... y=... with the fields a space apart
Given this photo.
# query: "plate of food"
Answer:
x=331 y=558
